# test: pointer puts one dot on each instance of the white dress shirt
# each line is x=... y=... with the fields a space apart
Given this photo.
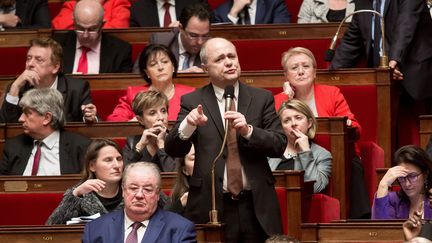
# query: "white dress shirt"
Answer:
x=49 y=163
x=128 y=228
x=182 y=52
x=161 y=11
x=93 y=58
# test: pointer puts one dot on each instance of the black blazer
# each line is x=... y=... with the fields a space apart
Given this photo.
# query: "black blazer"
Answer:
x=115 y=54
x=408 y=34
x=76 y=92
x=144 y=13
x=267 y=140
x=17 y=151
x=161 y=158
x=33 y=13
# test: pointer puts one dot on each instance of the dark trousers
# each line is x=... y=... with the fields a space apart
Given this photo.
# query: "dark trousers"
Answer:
x=241 y=223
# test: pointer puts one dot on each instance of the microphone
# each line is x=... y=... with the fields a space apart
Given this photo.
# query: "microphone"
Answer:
x=383 y=55
x=213 y=214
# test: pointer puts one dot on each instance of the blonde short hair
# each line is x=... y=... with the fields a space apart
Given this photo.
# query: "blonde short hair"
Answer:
x=299 y=106
x=295 y=51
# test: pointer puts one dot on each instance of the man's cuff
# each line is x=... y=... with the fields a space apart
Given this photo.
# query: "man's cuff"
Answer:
x=12 y=99
x=249 y=134
x=186 y=130
x=233 y=19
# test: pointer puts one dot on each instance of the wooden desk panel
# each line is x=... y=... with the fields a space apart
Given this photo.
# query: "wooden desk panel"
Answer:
x=359 y=232
x=425 y=130
x=13 y=184
x=325 y=31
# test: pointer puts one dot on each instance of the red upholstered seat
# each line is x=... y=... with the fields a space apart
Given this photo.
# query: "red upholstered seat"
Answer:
x=372 y=157
x=13 y=60
x=322 y=209
x=259 y=55
x=27 y=208
x=281 y=195
x=54 y=8
x=106 y=101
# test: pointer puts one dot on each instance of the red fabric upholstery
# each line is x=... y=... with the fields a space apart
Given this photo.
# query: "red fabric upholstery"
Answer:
x=281 y=195
x=365 y=110
x=106 y=101
x=215 y=3
x=137 y=49
x=27 y=208
x=294 y=8
x=323 y=209
x=266 y=54
x=54 y=8
x=13 y=60
x=372 y=157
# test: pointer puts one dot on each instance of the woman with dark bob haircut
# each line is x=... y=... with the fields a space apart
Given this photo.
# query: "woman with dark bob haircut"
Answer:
x=158 y=66
x=413 y=174
x=99 y=190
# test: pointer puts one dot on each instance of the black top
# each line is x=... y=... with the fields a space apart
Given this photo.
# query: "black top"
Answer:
x=286 y=163
x=336 y=15
x=111 y=203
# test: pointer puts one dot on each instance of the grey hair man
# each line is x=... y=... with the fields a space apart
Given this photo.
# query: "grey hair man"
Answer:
x=44 y=148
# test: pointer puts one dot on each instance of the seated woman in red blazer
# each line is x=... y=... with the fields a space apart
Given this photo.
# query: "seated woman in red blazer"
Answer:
x=158 y=66
x=325 y=101
x=116 y=15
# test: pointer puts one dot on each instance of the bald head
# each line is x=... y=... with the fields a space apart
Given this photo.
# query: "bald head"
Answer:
x=214 y=43
x=88 y=11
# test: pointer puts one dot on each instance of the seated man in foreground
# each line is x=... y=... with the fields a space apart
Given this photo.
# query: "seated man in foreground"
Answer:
x=44 y=148
x=141 y=220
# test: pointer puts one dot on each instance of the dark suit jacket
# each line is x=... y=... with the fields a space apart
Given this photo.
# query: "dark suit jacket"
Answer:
x=115 y=54
x=33 y=13
x=267 y=140
x=76 y=92
x=17 y=151
x=408 y=34
x=163 y=227
x=144 y=13
x=268 y=12
x=169 y=39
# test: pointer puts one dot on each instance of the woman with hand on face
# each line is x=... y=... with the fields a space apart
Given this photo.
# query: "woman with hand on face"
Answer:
x=158 y=66
x=413 y=173
x=300 y=66
x=299 y=125
x=99 y=190
x=151 y=109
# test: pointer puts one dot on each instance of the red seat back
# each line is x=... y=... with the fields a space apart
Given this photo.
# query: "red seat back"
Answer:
x=27 y=208
x=281 y=195
x=13 y=60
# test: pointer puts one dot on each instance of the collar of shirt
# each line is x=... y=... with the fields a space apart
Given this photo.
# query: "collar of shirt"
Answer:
x=219 y=92
x=182 y=50
x=160 y=4
x=128 y=222
x=94 y=49
x=52 y=139
x=55 y=83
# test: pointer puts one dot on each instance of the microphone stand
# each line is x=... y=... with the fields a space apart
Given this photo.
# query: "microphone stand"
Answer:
x=213 y=214
x=383 y=55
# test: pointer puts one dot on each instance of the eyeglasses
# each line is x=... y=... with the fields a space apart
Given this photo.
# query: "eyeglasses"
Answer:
x=91 y=31
x=144 y=190
x=412 y=177
x=194 y=36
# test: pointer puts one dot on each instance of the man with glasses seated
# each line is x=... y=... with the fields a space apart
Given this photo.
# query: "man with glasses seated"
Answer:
x=413 y=172
x=186 y=41
x=43 y=70
x=141 y=220
x=87 y=50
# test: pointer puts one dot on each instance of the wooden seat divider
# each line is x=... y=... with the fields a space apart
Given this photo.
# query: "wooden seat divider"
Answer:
x=425 y=130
